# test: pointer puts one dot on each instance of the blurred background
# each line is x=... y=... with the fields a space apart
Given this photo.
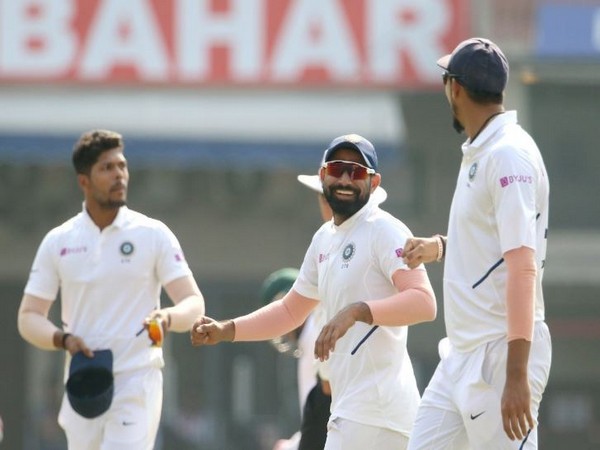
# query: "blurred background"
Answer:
x=222 y=104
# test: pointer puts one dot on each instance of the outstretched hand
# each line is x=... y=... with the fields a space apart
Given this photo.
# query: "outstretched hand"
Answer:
x=207 y=331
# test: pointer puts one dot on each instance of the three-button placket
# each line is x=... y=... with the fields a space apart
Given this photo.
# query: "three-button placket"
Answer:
x=99 y=244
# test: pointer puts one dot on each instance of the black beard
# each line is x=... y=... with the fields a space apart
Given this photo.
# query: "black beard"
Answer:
x=345 y=208
x=458 y=127
x=110 y=204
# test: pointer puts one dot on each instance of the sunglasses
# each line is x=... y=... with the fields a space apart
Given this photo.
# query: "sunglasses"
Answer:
x=447 y=75
x=355 y=171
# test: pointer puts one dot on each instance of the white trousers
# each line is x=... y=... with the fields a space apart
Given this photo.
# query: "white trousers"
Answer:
x=461 y=407
x=130 y=423
x=345 y=434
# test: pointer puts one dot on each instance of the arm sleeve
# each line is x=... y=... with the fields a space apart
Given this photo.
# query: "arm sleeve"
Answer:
x=275 y=319
x=520 y=293
x=414 y=303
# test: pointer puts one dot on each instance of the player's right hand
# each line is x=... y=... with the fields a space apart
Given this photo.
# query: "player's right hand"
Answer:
x=75 y=344
x=207 y=331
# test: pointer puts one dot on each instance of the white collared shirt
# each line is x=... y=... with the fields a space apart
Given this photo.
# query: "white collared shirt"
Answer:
x=109 y=280
x=353 y=262
x=500 y=203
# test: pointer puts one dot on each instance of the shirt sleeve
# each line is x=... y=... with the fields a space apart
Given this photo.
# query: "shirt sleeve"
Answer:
x=388 y=246
x=513 y=187
x=171 y=262
x=44 y=279
x=307 y=282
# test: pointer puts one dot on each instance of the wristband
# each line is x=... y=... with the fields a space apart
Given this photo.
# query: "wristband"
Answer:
x=440 y=253
x=63 y=340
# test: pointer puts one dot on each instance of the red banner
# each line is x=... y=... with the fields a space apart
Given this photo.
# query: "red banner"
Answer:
x=229 y=42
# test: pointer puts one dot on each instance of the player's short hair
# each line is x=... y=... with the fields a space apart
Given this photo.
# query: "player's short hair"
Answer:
x=484 y=97
x=91 y=145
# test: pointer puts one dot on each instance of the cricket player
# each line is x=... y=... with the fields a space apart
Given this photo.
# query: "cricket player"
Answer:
x=495 y=362
x=354 y=268
x=109 y=263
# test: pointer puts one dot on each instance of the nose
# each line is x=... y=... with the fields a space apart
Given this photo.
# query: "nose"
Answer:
x=346 y=176
x=121 y=172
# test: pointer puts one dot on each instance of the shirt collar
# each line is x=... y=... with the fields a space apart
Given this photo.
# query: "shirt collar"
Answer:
x=120 y=220
x=508 y=117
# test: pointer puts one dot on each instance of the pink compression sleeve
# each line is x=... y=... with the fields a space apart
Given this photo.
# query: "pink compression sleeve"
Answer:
x=275 y=319
x=520 y=292
x=414 y=303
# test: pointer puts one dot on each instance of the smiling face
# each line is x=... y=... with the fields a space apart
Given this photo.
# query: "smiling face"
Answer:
x=344 y=194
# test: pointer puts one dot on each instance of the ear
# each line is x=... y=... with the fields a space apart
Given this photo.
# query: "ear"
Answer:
x=83 y=181
x=456 y=89
x=375 y=181
x=322 y=173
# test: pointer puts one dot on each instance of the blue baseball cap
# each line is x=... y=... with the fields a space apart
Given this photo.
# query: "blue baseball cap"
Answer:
x=355 y=142
x=478 y=64
x=90 y=386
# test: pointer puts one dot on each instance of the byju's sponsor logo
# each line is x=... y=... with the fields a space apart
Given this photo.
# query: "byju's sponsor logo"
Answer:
x=510 y=179
x=71 y=250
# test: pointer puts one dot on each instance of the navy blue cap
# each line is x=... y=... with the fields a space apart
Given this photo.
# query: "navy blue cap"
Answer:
x=355 y=142
x=478 y=65
x=90 y=386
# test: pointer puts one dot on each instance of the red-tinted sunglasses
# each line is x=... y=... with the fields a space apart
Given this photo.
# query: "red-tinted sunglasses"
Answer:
x=355 y=171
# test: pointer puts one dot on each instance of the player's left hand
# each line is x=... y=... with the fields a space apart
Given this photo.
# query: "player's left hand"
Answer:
x=516 y=408
x=338 y=326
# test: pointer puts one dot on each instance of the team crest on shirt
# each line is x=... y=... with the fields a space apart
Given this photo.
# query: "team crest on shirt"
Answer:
x=126 y=248
x=472 y=171
x=348 y=254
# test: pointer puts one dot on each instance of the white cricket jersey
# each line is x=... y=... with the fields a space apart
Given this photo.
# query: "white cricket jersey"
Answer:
x=500 y=204
x=355 y=262
x=109 y=281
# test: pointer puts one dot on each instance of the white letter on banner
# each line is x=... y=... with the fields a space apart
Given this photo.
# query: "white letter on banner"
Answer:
x=48 y=28
x=125 y=33
x=240 y=30
x=413 y=27
x=315 y=34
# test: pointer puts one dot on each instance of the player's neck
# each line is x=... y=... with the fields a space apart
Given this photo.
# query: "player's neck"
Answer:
x=102 y=217
x=481 y=120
